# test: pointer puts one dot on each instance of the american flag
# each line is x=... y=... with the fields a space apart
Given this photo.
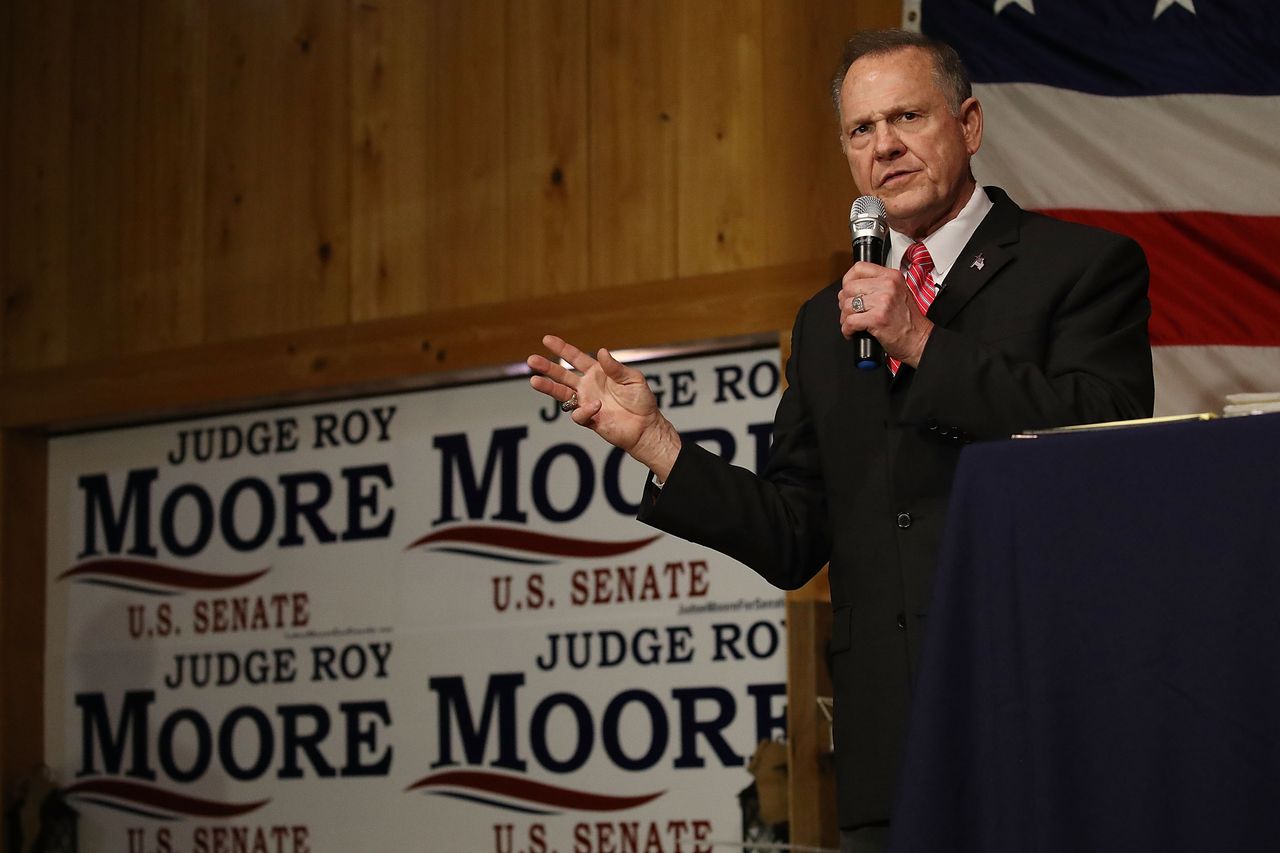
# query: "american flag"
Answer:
x=1159 y=119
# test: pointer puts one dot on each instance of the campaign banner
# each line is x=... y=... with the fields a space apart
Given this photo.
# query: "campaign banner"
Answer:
x=418 y=621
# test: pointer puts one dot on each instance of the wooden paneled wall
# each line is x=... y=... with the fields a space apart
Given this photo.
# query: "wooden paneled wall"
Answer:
x=188 y=172
x=205 y=203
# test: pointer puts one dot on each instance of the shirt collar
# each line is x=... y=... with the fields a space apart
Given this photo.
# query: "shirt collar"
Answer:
x=945 y=244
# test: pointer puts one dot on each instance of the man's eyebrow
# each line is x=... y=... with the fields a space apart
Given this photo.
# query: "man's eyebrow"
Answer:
x=891 y=112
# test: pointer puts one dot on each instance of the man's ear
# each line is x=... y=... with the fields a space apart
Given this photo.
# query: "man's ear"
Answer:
x=971 y=121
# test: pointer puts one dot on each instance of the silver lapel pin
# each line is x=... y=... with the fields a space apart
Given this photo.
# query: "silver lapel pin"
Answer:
x=978 y=261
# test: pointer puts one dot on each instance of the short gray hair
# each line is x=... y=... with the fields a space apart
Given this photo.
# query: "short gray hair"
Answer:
x=949 y=73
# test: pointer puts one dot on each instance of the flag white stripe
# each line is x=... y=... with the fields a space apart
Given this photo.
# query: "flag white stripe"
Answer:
x=1197 y=378
x=1057 y=148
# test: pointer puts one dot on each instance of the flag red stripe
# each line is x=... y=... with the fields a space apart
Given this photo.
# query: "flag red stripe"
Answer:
x=1215 y=277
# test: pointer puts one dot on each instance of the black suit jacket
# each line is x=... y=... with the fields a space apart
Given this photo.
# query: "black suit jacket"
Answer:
x=1051 y=330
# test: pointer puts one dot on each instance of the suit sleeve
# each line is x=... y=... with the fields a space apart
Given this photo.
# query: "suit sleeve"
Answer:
x=775 y=523
x=1096 y=365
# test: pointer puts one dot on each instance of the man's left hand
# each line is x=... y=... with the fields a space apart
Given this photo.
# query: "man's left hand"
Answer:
x=890 y=313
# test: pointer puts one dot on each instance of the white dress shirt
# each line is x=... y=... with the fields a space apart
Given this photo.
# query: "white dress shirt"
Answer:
x=947 y=242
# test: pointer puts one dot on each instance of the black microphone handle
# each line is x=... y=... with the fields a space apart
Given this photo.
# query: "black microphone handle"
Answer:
x=870 y=354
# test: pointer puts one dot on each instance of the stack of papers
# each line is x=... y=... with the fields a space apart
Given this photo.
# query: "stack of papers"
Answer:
x=1164 y=419
x=1251 y=404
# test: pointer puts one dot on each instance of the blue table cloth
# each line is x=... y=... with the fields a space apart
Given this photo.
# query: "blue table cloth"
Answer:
x=1102 y=664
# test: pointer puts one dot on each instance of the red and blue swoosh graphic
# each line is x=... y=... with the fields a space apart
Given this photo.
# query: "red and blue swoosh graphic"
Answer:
x=153 y=578
x=516 y=793
x=517 y=545
x=145 y=800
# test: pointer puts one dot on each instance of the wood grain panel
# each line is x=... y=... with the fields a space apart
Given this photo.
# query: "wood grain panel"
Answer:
x=807 y=185
x=34 y=180
x=6 y=187
x=22 y=617
x=689 y=121
x=877 y=14
x=467 y=223
x=162 y=218
x=104 y=124
x=811 y=780
x=546 y=146
x=7 y=788
x=634 y=92
x=394 y=78
x=721 y=164
x=276 y=204
x=393 y=353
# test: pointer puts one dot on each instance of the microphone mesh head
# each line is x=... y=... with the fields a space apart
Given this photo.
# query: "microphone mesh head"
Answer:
x=868 y=206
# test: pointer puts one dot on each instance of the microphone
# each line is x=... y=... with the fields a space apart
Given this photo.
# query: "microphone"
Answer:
x=869 y=227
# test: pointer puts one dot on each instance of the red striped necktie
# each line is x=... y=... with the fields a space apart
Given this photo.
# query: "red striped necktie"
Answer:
x=919 y=277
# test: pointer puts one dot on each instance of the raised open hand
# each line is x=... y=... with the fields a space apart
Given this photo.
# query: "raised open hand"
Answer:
x=612 y=399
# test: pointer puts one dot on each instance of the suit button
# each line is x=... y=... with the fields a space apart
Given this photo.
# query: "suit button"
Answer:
x=902 y=621
x=904 y=520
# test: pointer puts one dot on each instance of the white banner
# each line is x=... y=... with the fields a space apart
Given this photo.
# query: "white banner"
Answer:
x=423 y=621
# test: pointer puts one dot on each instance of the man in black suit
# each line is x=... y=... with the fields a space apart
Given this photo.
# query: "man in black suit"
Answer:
x=1021 y=322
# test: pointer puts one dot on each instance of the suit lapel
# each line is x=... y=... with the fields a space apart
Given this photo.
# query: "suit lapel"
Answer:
x=997 y=232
